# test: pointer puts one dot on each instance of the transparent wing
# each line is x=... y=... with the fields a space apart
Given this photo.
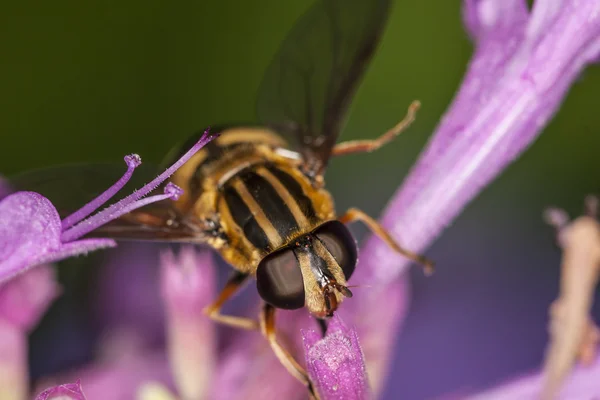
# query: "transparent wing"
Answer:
x=69 y=187
x=308 y=86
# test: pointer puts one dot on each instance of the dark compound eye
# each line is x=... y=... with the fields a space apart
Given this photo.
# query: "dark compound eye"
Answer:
x=340 y=243
x=279 y=280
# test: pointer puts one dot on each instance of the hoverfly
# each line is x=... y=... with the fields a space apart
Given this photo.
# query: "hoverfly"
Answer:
x=256 y=193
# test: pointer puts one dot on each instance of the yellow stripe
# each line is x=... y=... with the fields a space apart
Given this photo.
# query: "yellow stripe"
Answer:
x=261 y=218
x=249 y=135
x=287 y=198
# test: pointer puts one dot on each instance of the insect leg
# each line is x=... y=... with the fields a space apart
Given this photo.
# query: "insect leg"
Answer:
x=354 y=214
x=234 y=283
x=361 y=146
x=267 y=323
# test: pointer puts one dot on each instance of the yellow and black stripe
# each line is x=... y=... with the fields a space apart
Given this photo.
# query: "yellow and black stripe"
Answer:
x=268 y=205
x=218 y=156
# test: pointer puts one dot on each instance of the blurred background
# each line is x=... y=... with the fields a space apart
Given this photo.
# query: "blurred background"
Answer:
x=92 y=81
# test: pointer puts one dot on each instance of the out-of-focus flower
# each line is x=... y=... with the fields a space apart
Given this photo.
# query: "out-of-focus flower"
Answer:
x=188 y=286
x=335 y=363
x=582 y=384
x=119 y=379
x=248 y=369
x=23 y=301
x=69 y=391
x=127 y=299
x=573 y=335
x=32 y=232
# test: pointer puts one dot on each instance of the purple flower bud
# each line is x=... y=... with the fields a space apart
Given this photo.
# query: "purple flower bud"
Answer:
x=34 y=234
x=335 y=363
x=188 y=282
x=69 y=391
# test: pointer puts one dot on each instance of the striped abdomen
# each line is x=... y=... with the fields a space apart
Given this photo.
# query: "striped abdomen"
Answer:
x=268 y=205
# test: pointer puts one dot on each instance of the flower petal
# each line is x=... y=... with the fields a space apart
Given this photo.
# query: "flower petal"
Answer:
x=248 y=368
x=119 y=380
x=69 y=391
x=512 y=89
x=22 y=303
x=483 y=18
x=154 y=391
x=335 y=363
x=583 y=383
x=30 y=235
x=14 y=377
x=128 y=292
x=26 y=298
x=378 y=340
x=188 y=285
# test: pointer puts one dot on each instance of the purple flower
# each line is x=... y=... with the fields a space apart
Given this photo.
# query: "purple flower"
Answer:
x=69 y=391
x=121 y=379
x=335 y=363
x=523 y=66
x=582 y=384
x=188 y=286
x=23 y=301
x=32 y=232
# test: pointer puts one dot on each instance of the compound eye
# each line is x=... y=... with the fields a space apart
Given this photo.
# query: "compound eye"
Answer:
x=279 y=280
x=341 y=244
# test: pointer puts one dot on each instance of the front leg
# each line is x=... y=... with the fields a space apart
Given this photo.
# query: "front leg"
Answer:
x=267 y=324
x=362 y=146
x=354 y=214
x=213 y=311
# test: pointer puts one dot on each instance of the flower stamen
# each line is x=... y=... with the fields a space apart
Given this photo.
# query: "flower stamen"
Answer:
x=133 y=161
x=132 y=201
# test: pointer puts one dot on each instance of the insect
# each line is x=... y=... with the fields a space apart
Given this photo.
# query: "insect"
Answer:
x=256 y=194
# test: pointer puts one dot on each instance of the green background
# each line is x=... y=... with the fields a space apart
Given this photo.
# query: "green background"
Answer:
x=92 y=81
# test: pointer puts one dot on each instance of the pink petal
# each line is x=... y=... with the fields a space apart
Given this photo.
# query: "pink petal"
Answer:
x=119 y=380
x=14 y=375
x=248 y=368
x=69 y=391
x=583 y=383
x=188 y=285
x=25 y=299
